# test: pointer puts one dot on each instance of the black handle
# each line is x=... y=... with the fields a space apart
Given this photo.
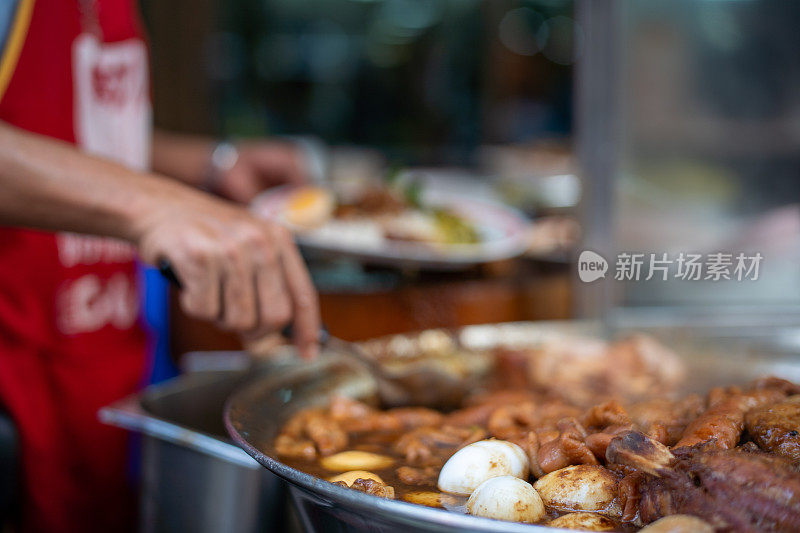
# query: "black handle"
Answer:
x=324 y=335
x=165 y=267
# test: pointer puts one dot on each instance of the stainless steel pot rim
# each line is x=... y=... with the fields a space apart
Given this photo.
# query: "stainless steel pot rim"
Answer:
x=398 y=509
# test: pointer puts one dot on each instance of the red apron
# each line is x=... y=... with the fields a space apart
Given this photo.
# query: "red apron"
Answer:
x=70 y=338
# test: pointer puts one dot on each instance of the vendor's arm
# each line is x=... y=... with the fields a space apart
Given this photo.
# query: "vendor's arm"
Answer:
x=237 y=172
x=241 y=271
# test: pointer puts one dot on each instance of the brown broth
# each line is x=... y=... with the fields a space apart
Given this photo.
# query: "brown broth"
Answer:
x=618 y=372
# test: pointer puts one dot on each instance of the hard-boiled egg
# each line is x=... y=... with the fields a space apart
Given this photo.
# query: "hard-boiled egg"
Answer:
x=309 y=207
x=580 y=488
x=506 y=498
x=473 y=464
x=352 y=475
x=584 y=522
x=356 y=460
x=679 y=523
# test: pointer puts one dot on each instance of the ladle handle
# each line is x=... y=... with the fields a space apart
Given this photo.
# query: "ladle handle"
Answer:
x=324 y=335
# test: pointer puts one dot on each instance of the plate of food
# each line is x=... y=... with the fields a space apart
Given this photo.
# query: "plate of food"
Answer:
x=396 y=223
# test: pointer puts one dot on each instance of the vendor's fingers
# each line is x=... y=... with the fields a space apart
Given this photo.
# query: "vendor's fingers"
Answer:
x=238 y=290
x=261 y=345
x=274 y=304
x=274 y=308
x=200 y=295
x=303 y=296
x=285 y=161
x=195 y=266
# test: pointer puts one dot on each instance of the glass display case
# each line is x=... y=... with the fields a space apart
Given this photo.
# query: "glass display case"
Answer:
x=688 y=127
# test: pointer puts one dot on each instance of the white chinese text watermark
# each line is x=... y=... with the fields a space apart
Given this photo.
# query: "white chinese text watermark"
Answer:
x=716 y=266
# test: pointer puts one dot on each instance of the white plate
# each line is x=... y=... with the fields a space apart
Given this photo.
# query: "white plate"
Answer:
x=501 y=228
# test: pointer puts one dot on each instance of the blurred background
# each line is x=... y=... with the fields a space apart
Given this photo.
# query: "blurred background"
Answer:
x=479 y=89
x=426 y=82
x=617 y=126
x=620 y=126
x=700 y=130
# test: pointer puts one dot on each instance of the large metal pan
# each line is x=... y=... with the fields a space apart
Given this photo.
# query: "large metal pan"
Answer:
x=255 y=414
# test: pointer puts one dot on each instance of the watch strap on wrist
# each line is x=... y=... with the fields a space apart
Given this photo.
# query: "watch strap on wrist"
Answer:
x=223 y=158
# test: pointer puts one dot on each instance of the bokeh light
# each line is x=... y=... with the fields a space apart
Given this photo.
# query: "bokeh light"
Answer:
x=521 y=31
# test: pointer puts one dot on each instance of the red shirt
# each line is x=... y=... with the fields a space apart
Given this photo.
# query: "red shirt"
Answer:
x=64 y=282
x=70 y=337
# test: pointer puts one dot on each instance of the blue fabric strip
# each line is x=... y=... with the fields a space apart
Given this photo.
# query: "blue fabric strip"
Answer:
x=8 y=12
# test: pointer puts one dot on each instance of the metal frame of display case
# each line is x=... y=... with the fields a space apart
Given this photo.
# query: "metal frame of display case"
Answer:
x=598 y=124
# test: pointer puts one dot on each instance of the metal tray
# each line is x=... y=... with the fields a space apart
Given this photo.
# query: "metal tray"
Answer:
x=193 y=478
x=715 y=355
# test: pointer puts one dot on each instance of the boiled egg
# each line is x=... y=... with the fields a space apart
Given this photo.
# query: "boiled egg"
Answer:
x=580 y=488
x=506 y=498
x=473 y=464
x=679 y=523
x=352 y=475
x=356 y=460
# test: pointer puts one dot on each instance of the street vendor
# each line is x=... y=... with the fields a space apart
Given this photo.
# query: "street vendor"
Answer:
x=83 y=193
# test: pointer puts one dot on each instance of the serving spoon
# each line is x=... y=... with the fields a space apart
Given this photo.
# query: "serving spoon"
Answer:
x=428 y=386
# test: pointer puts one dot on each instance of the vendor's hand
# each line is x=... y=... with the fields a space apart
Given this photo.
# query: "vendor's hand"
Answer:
x=241 y=271
x=260 y=165
x=234 y=268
